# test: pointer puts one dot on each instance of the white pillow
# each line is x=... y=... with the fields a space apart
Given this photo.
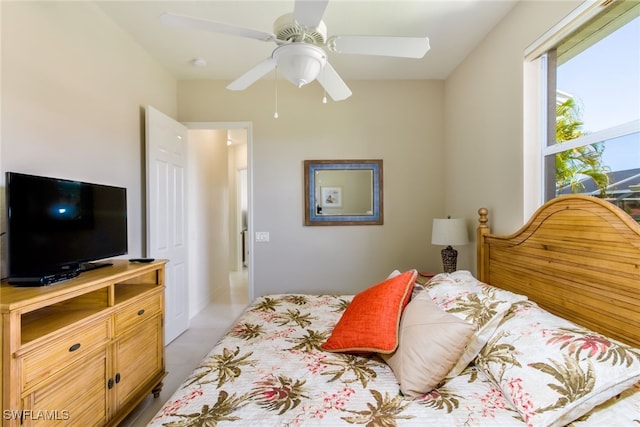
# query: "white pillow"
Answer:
x=553 y=371
x=463 y=295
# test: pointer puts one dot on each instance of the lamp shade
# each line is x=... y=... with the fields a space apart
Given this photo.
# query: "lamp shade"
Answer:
x=449 y=232
x=300 y=63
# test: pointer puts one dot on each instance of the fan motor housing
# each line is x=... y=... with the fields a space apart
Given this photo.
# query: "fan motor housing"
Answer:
x=287 y=29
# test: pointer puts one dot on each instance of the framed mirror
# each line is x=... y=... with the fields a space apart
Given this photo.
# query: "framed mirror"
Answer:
x=343 y=192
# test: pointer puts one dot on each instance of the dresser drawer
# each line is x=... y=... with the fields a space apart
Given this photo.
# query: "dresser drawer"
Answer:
x=43 y=362
x=138 y=311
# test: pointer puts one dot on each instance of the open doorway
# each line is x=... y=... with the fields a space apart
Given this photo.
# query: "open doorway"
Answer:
x=220 y=218
x=242 y=230
x=239 y=254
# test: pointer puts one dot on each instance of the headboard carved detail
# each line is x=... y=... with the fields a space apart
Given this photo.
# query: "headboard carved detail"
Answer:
x=578 y=256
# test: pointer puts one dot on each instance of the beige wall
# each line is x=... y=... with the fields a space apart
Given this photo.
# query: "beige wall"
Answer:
x=73 y=107
x=484 y=121
x=208 y=216
x=74 y=88
x=399 y=122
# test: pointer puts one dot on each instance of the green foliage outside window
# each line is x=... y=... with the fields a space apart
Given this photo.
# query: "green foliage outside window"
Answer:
x=574 y=164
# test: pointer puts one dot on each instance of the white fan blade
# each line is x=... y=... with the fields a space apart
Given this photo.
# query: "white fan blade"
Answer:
x=253 y=75
x=216 y=27
x=402 y=47
x=333 y=84
x=309 y=12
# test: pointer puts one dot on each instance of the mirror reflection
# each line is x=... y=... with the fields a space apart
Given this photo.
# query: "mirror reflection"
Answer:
x=343 y=192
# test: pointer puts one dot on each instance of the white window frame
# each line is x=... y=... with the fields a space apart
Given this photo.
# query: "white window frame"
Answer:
x=604 y=135
x=536 y=108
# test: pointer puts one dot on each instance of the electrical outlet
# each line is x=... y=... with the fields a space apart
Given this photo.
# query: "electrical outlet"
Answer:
x=262 y=236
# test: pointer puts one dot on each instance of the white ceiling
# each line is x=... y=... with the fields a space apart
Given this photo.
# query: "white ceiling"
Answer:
x=454 y=28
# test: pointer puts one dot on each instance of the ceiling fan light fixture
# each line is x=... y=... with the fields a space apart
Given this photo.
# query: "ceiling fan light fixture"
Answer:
x=300 y=63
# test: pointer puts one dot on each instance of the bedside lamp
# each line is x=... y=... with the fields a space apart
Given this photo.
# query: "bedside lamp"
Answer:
x=448 y=232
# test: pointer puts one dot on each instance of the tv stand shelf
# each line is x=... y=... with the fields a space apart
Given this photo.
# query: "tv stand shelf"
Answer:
x=103 y=331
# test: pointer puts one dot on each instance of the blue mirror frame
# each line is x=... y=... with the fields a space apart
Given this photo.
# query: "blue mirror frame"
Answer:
x=312 y=216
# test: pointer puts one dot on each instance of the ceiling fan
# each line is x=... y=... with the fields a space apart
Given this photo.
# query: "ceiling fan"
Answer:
x=301 y=39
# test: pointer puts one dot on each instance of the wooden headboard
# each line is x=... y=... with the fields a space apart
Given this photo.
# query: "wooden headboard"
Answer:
x=578 y=257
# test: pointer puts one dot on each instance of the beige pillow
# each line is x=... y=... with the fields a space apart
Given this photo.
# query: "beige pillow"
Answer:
x=431 y=342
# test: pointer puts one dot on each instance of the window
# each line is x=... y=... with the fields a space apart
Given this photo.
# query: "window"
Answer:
x=591 y=83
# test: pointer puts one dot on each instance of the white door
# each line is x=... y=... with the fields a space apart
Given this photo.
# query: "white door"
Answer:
x=166 y=154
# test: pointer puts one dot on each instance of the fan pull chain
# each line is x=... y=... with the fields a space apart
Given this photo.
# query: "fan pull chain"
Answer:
x=324 y=97
x=275 y=115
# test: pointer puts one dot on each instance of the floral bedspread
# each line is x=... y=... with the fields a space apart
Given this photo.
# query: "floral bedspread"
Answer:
x=269 y=370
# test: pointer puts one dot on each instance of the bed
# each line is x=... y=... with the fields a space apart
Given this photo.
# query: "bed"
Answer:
x=546 y=334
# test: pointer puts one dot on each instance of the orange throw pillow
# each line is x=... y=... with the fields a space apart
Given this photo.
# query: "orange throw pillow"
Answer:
x=371 y=321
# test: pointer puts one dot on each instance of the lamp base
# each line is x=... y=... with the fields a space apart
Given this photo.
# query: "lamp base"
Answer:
x=449 y=259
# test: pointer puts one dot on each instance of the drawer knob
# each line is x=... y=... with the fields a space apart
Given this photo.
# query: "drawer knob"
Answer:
x=140 y=312
x=117 y=377
x=110 y=383
x=74 y=347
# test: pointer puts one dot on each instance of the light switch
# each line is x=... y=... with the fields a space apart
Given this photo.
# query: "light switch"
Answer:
x=262 y=236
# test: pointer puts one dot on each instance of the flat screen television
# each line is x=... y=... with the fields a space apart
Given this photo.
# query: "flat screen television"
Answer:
x=57 y=228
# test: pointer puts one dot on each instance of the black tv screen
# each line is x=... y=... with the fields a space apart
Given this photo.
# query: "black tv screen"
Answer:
x=54 y=226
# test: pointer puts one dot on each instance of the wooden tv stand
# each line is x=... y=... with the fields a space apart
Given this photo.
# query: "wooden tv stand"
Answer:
x=85 y=351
